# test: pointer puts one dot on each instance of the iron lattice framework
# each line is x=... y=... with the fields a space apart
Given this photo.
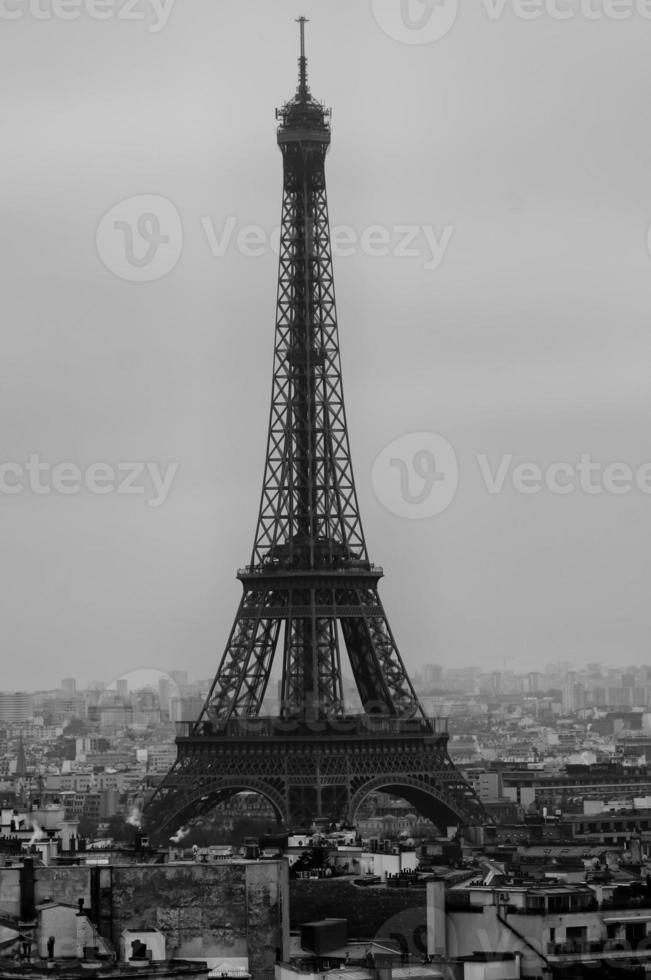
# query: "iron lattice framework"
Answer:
x=310 y=578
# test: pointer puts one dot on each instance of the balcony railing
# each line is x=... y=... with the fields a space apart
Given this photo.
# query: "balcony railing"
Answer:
x=566 y=908
x=633 y=901
x=599 y=947
x=285 y=567
x=348 y=725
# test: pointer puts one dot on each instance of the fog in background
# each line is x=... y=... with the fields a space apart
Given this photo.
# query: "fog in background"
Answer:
x=531 y=139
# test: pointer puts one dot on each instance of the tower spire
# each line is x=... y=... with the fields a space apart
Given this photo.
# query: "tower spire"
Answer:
x=303 y=90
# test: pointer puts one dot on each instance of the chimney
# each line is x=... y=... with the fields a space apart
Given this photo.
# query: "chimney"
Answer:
x=27 y=900
x=436 y=938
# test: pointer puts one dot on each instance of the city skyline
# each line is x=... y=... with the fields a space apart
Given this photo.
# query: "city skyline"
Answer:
x=178 y=680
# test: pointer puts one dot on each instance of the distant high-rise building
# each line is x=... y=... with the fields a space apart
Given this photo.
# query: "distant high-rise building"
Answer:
x=69 y=685
x=180 y=676
x=16 y=707
x=166 y=688
x=573 y=694
x=185 y=709
x=114 y=716
x=433 y=675
x=533 y=681
x=463 y=680
x=122 y=687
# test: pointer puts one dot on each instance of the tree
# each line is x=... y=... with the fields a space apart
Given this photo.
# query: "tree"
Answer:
x=310 y=859
x=249 y=827
x=87 y=828
x=75 y=728
x=120 y=830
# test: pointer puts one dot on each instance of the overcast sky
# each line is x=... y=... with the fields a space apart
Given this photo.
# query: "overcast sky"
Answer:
x=523 y=145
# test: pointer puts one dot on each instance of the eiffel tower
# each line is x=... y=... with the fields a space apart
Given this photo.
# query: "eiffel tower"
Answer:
x=310 y=585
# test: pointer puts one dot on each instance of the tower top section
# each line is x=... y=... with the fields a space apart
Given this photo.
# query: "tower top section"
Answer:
x=303 y=90
x=303 y=117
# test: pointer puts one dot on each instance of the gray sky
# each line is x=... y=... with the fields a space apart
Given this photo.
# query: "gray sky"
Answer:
x=529 y=140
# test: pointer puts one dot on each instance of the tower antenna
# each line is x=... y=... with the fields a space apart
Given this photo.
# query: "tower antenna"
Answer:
x=303 y=90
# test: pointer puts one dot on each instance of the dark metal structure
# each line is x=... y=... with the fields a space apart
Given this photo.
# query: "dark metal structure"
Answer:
x=310 y=586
